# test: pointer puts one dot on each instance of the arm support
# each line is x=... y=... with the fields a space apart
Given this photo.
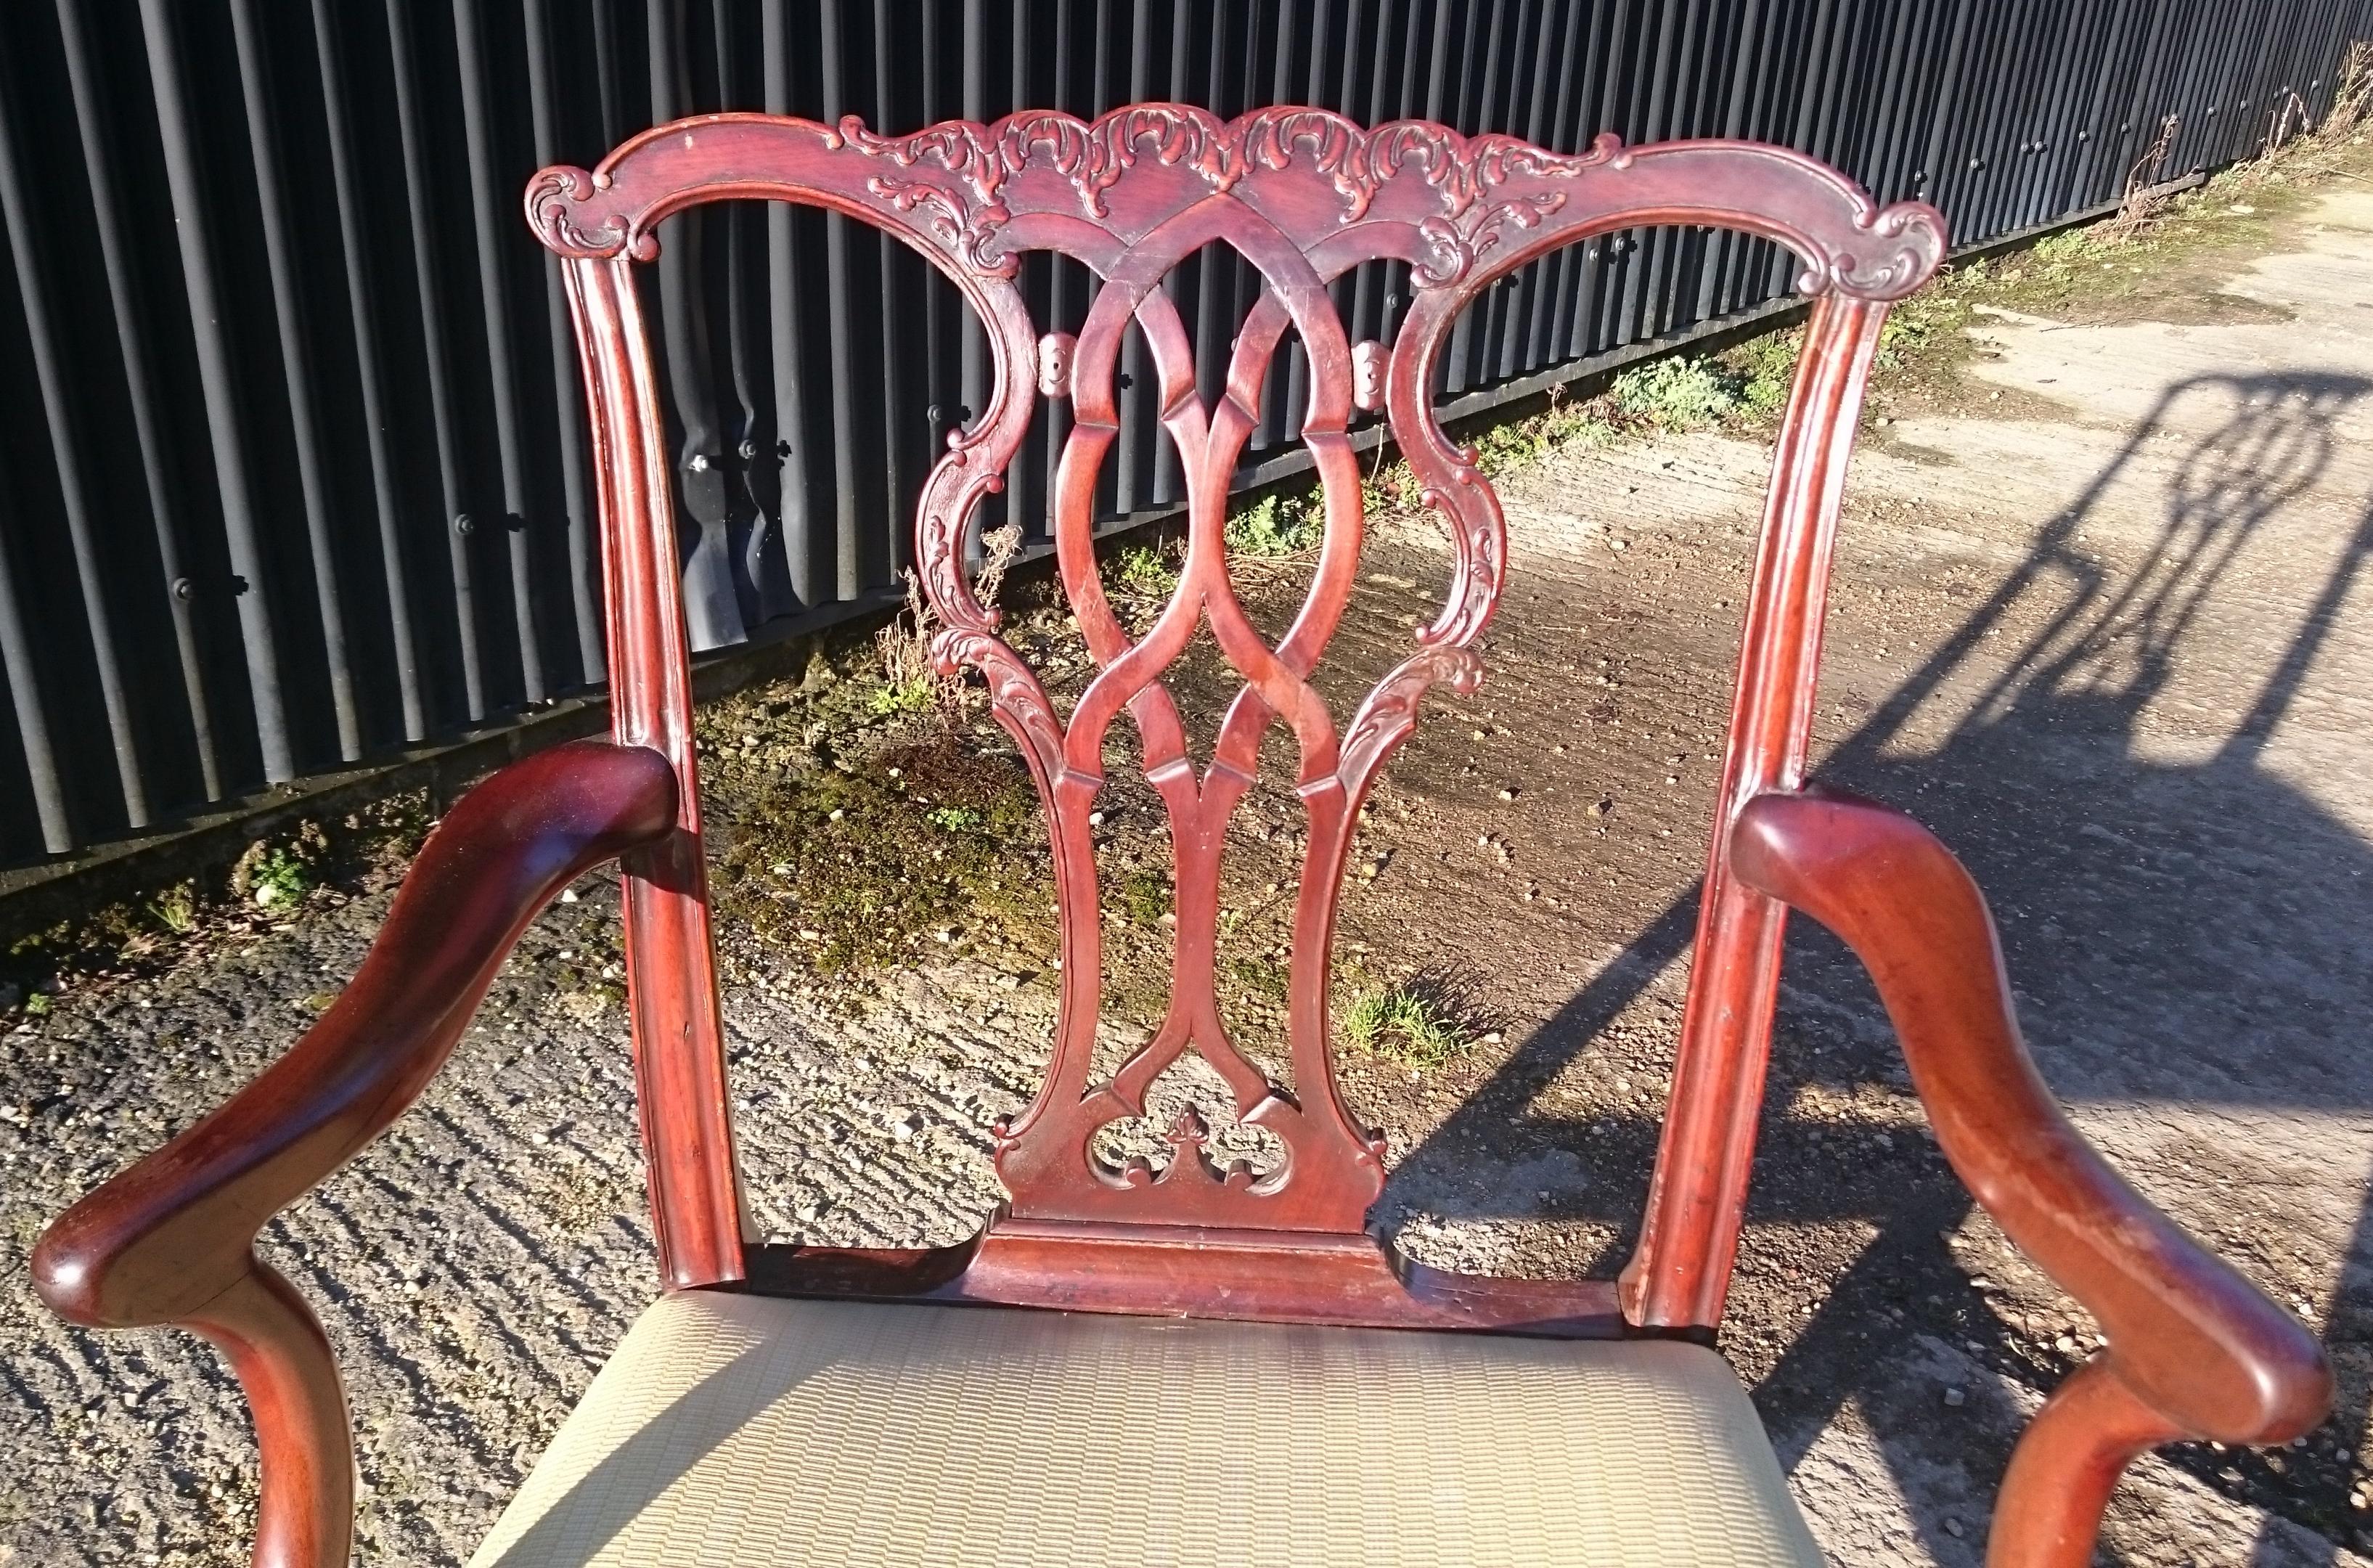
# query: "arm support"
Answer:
x=171 y=1240
x=2195 y=1350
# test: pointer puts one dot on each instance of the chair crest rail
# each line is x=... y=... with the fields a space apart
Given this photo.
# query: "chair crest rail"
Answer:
x=1304 y=194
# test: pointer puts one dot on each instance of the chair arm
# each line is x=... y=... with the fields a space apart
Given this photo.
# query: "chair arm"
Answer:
x=171 y=1240
x=2195 y=1350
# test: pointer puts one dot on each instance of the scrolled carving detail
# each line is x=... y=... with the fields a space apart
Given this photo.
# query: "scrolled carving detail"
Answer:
x=1908 y=243
x=556 y=197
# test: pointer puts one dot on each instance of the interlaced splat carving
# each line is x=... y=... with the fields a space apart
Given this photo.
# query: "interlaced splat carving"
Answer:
x=1304 y=194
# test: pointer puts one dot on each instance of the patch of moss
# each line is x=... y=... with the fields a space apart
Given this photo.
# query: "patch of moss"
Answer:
x=1146 y=896
x=851 y=867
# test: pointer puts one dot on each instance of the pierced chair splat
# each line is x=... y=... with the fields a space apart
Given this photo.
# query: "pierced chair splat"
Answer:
x=793 y=1403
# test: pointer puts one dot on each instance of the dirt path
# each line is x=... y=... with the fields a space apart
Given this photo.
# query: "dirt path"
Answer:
x=2114 y=650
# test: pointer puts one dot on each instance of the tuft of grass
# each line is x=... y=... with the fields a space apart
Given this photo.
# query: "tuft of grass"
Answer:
x=1407 y=1025
x=1273 y=526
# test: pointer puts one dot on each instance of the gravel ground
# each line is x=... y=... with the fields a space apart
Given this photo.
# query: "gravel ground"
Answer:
x=2105 y=634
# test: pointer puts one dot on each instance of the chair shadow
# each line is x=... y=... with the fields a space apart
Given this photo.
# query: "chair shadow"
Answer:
x=2182 y=931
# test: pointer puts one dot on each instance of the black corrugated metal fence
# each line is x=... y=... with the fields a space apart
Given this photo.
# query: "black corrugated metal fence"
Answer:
x=294 y=469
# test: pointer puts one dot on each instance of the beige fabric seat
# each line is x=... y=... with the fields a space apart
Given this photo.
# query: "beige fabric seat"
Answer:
x=742 y=1432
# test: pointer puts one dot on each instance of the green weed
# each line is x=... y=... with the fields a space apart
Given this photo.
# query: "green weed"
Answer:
x=176 y=908
x=1273 y=527
x=1149 y=571
x=1678 y=394
x=915 y=695
x=1408 y=1025
x=278 y=879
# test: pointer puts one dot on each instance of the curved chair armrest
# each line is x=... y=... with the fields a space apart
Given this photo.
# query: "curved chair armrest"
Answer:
x=2195 y=1350
x=171 y=1240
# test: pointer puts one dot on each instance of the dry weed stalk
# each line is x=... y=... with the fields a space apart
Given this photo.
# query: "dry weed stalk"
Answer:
x=2351 y=98
x=908 y=681
x=2143 y=201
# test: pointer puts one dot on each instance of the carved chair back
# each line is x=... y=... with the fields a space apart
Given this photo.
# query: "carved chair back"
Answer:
x=1303 y=196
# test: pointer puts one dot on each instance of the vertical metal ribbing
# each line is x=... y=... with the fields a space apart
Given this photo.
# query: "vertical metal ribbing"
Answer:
x=1055 y=413
x=93 y=123
x=361 y=288
x=43 y=328
x=1551 y=73
x=1369 y=281
x=832 y=44
x=1948 y=94
x=1625 y=100
x=25 y=697
x=754 y=507
x=1166 y=473
x=1129 y=443
x=1573 y=132
x=1019 y=493
x=1669 y=100
x=787 y=338
x=224 y=417
x=568 y=384
x=2057 y=131
x=1209 y=323
x=489 y=200
x=892 y=257
x=974 y=386
x=1286 y=373
x=712 y=608
x=1476 y=75
x=438 y=351
x=942 y=375
x=1580 y=300
x=295 y=366
x=1715 y=264
x=972 y=344
x=1292 y=389
x=607 y=72
x=1895 y=99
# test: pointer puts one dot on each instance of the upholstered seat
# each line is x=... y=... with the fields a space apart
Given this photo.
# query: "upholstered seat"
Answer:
x=735 y=1431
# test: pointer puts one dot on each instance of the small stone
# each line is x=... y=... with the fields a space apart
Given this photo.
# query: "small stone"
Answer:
x=568 y=895
x=1618 y=544
x=1955 y=1398
x=1509 y=793
x=836 y=814
x=1953 y=1529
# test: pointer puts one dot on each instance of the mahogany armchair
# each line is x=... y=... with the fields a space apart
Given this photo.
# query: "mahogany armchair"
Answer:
x=1049 y=1391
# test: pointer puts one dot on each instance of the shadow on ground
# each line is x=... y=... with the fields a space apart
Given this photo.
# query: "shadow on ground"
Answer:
x=2180 y=935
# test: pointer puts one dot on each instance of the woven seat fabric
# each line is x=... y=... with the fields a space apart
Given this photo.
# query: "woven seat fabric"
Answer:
x=734 y=1431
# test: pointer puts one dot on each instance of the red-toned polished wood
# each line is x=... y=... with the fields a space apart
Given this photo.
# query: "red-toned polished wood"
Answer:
x=170 y=1241
x=679 y=1034
x=2067 y=1462
x=1305 y=195
x=2195 y=1350
x=1680 y=1272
